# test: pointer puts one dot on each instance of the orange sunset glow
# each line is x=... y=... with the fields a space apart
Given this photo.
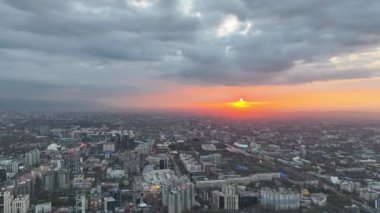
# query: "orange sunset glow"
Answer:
x=261 y=101
x=241 y=103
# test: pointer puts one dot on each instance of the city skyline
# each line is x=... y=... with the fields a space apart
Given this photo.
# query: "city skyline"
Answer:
x=191 y=56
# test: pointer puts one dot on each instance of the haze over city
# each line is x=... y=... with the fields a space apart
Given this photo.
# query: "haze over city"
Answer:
x=190 y=56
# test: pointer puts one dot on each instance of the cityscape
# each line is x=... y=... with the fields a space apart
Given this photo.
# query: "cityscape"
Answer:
x=91 y=162
x=189 y=106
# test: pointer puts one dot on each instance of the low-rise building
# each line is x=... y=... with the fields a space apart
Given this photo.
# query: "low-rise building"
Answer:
x=20 y=204
x=43 y=208
x=318 y=199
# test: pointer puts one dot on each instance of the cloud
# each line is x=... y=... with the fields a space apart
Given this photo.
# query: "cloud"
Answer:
x=139 y=45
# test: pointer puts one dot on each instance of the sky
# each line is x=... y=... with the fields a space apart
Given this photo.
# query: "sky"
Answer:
x=190 y=55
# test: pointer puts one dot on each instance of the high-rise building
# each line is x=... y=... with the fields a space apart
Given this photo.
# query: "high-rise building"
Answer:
x=48 y=181
x=10 y=165
x=63 y=179
x=32 y=157
x=24 y=186
x=81 y=204
x=227 y=199
x=281 y=199
x=377 y=204
x=175 y=202
x=109 y=204
x=116 y=194
x=131 y=162
x=73 y=163
x=56 y=180
x=20 y=204
x=5 y=201
x=178 y=194
x=3 y=174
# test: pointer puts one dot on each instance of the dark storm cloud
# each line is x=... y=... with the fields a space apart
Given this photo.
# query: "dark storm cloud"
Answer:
x=288 y=31
x=112 y=45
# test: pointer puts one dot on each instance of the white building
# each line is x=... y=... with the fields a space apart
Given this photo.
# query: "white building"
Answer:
x=32 y=157
x=109 y=204
x=227 y=199
x=20 y=204
x=108 y=147
x=53 y=147
x=81 y=203
x=238 y=180
x=43 y=208
x=178 y=195
x=369 y=194
x=192 y=166
x=281 y=199
x=5 y=201
x=115 y=173
x=349 y=186
x=318 y=199
x=156 y=178
x=174 y=205
x=145 y=147
x=11 y=165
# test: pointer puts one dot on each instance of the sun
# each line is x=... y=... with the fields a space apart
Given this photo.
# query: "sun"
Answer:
x=241 y=104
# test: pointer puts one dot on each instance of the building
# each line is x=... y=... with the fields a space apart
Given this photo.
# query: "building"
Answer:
x=32 y=157
x=81 y=203
x=377 y=204
x=155 y=179
x=131 y=162
x=212 y=158
x=227 y=199
x=145 y=147
x=208 y=147
x=109 y=147
x=349 y=186
x=48 y=181
x=247 y=199
x=24 y=186
x=63 y=178
x=318 y=199
x=5 y=201
x=174 y=202
x=352 y=209
x=116 y=194
x=178 y=195
x=43 y=208
x=53 y=147
x=369 y=194
x=109 y=204
x=160 y=160
x=254 y=147
x=115 y=173
x=281 y=199
x=56 y=180
x=191 y=165
x=73 y=163
x=11 y=166
x=238 y=180
x=3 y=174
x=20 y=204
